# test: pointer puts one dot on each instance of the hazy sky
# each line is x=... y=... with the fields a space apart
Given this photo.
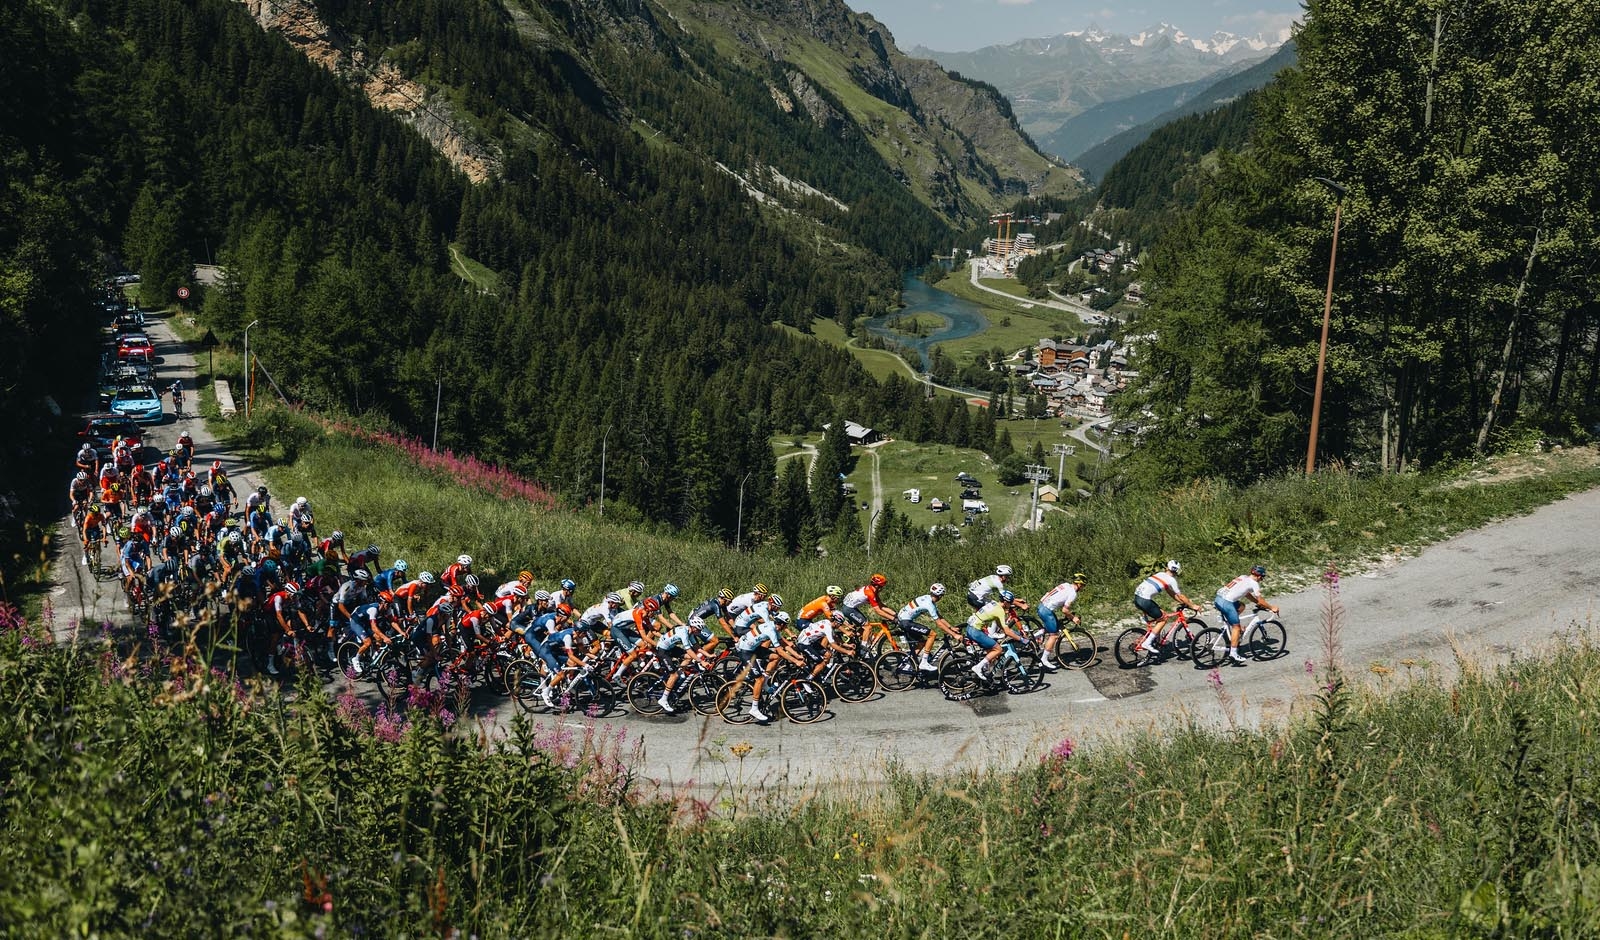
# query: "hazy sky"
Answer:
x=963 y=25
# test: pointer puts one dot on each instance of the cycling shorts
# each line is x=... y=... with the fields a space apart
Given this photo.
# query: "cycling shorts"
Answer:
x=980 y=637
x=1049 y=619
x=1228 y=609
x=914 y=632
x=974 y=601
x=627 y=639
x=813 y=652
x=1151 y=610
x=92 y=534
x=854 y=616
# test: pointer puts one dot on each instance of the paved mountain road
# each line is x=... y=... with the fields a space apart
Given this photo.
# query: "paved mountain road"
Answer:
x=1499 y=591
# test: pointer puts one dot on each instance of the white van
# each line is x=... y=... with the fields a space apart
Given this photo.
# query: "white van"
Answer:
x=914 y=495
x=974 y=505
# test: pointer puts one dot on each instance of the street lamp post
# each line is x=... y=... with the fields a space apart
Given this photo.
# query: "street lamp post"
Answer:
x=438 y=396
x=1327 y=314
x=738 y=530
x=247 y=370
x=603 y=439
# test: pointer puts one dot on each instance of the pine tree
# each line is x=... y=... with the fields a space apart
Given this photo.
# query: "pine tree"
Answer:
x=795 y=514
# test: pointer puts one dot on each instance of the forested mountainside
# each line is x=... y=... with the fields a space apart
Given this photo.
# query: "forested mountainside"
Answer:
x=1464 y=308
x=648 y=223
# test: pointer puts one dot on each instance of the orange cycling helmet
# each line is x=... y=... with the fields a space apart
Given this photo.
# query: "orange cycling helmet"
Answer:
x=877 y=580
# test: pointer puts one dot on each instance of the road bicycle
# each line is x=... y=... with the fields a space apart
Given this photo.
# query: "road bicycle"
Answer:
x=1263 y=639
x=1075 y=650
x=1017 y=670
x=1184 y=628
x=785 y=694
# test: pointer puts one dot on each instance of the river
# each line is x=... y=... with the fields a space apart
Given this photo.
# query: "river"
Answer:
x=961 y=318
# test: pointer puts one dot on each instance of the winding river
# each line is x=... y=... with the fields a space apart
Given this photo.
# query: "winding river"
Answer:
x=961 y=318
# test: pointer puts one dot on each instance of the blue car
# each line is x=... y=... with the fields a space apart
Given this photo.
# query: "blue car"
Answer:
x=139 y=402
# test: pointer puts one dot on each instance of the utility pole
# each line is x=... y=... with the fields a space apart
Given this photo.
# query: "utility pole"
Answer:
x=438 y=393
x=738 y=531
x=1037 y=474
x=603 y=438
x=247 y=370
x=1062 y=452
x=1338 y=192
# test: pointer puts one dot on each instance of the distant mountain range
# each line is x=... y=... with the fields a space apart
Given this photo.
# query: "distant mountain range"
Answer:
x=1053 y=81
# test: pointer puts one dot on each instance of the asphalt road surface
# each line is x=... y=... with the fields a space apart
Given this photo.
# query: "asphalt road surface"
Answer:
x=1504 y=590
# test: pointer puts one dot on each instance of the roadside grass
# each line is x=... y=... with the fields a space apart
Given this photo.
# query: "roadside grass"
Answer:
x=183 y=803
x=1291 y=523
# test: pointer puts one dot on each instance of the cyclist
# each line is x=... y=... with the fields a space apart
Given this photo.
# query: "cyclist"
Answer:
x=866 y=596
x=135 y=561
x=535 y=624
x=332 y=549
x=87 y=461
x=80 y=490
x=301 y=519
x=1055 y=606
x=1144 y=598
x=260 y=499
x=221 y=489
x=762 y=633
x=350 y=597
x=231 y=553
x=454 y=575
x=817 y=638
x=141 y=488
x=524 y=579
x=185 y=448
x=988 y=626
x=917 y=636
x=258 y=521
x=632 y=594
x=715 y=610
x=669 y=593
x=366 y=623
x=92 y=532
x=288 y=616
x=978 y=591
x=391 y=578
x=1246 y=587
x=367 y=556
x=144 y=524
x=177 y=399
x=823 y=607
x=413 y=594
x=111 y=493
x=739 y=605
x=564 y=594
x=626 y=629
x=673 y=645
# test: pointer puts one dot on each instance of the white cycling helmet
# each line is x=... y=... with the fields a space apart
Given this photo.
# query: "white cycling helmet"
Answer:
x=697 y=623
x=464 y=561
x=1173 y=566
x=936 y=589
x=614 y=598
x=400 y=565
x=1003 y=571
x=517 y=590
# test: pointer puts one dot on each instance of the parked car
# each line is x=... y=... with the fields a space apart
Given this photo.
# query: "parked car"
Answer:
x=974 y=505
x=139 y=402
x=131 y=344
x=103 y=428
x=970 y=493
x=966 y=480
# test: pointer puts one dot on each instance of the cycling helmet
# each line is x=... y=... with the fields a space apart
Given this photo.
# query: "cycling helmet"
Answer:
x=1174 y=567
x=301 y=501
x=834 y=591
x=426 y=577
x=470 y=581
x=360 y=574
x=697 y=623
x=269 y=566
x=517 y=590
x=337 y=537
x=94 y=507
x=262 y=490
x=174 y=533
x=1003 y=571
x=372 y=549
x=725 y=595
x=614 y=599
x=1007 y=597
x=838 y=616
x=542 y=597
x=401 y=566
x=936 y=589
x=464 y=561
x=783 y=617
x=1080 y=578
x=446 y=603
x=775 y=602
x=187 y=511
x=525 y=576
x=568 y=585
x=290 y=588
x=635 y=587
x=759 y=588
x=877 y=580
x=1259 y=571
x=205 y=489
x=216 y=465
x=236 y=538
x=671 y=590
x=651 y=606
x=83 y=475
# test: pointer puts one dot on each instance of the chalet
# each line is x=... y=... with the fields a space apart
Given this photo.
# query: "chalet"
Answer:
x=858 y=433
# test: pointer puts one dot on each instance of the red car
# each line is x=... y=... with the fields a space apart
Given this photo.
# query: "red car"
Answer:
x=135 y=344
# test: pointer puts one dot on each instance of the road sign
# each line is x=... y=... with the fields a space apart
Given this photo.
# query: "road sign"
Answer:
x=183 y=293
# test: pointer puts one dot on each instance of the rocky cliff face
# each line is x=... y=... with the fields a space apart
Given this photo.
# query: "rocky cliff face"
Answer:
x=381 y=82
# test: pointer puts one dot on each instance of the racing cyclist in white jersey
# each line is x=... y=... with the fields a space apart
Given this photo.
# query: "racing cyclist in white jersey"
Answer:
x=1144 y=598
x=1244 y=587
x=1055 y=606
x=918 y=637
x=763 y=633
x=978 y=591
x=817 y=637
x=739 y=605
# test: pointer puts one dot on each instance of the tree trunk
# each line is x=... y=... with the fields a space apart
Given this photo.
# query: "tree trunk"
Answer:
x=1508 y=352
x=1557 y=374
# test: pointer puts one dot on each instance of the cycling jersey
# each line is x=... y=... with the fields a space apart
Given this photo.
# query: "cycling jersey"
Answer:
x=362 y=559
x=596 y=616
x=924 y=604
x=388 y=579
x=1240 y=588
x=741 y=603
x=350 y=594
x=709 y=611
x=990 y=618
x=1156 y=583
x=453 y=576
x=407 y=594
x=815 y=633
x=504 y=590
x=819 y=609
x=756 y=612
x=1060 y=596
x=677 y=637
x=765 y=632
x=864 y=596
x=985 y=586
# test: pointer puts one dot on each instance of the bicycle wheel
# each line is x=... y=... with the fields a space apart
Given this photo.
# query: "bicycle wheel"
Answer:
x=345 y=656
x=733 y=702
x=802 y=701
x=854 y=681
x=523 y=679
x=702 y=692
x=644 y=692
x=393 y=670
x=895 y=671
x=1209 y=646
x=1128 y=657
x=1267 y=641
x=956 y=678
x=1023 y=674
x=1077 y=648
